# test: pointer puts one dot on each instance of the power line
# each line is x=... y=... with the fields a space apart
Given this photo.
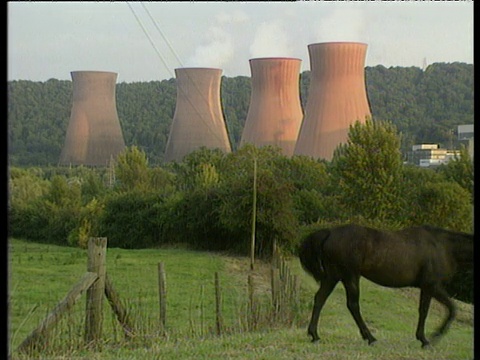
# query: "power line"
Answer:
x=206 y=123
x=149 y=38
x=163 y=36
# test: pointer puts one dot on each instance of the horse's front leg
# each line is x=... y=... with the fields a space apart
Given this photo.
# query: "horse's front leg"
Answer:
x=326 y=288
x=425 y=299
x=353 y=295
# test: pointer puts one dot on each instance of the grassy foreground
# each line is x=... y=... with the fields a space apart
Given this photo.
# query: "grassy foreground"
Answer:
x=41 y=275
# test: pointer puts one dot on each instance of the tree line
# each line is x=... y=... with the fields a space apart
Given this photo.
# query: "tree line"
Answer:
x=205 y=201
x=424 y=105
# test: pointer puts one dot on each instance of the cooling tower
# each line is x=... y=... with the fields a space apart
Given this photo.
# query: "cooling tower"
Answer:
x=337 y=97
x=275 y=113
x=93 y=134
x=198 y=119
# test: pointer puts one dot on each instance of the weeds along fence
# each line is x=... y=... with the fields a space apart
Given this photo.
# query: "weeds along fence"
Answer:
x=277 y=306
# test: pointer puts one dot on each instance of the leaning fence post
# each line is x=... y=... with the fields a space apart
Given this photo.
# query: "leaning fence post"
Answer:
x=94 y=310
x=162 y=289
x=118 y=308
x=39 y=334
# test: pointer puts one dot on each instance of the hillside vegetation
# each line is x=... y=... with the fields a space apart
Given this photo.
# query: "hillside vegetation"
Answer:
x=41 y=275
x=206 y=200
x=426 y=106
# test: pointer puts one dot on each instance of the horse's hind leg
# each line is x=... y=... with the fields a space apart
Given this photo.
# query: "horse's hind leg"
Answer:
x=326 y=288
x=441 y=295
x=353 y=295
x=425 y=299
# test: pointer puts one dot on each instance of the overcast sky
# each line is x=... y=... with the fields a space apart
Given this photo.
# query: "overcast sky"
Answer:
x=146 y=41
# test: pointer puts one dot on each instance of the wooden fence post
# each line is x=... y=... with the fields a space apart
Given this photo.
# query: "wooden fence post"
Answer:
x=162 y=291
x=251 y=315
x=296 y=289
x=275 y=291
x=218 y=305
x=94 y=310
x=275 y=254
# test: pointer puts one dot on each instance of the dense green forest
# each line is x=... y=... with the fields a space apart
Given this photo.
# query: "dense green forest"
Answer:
x=424 y=105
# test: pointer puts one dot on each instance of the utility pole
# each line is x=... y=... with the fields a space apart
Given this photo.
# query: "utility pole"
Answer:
x=254 y=213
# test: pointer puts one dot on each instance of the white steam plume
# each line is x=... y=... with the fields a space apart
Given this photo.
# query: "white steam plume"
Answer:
x=270 y=41
x=218 y=50
x=345 y=24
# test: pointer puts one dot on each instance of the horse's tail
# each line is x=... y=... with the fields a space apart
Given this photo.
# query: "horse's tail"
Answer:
x=310 y=253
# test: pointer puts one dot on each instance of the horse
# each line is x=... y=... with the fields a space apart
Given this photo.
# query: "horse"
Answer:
x=423 y=257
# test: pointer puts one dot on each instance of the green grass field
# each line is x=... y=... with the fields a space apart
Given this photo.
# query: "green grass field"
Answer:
x=41 y=275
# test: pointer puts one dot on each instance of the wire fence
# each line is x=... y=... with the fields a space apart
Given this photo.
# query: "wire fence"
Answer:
x=169 y=299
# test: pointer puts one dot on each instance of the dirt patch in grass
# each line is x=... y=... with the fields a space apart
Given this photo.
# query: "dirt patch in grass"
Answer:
x=239 y=267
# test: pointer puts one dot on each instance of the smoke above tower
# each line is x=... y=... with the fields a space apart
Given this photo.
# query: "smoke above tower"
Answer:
x=198 y=119
x=337 y=97
x=275 y=113
x=94 y=135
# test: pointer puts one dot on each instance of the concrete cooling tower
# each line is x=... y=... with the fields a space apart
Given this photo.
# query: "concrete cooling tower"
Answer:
x=337 y=97
x=198 y=120
x=275 y=113
x=94 y=134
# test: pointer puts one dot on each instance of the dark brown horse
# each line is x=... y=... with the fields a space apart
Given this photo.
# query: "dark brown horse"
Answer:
x=424 y=257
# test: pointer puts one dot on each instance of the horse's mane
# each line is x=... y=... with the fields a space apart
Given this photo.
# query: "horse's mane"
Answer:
x=452 y=235
x=461 y=243
x=446 y=231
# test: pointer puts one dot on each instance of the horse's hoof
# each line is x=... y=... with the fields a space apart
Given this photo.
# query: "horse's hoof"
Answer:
x=372 y=342
x=314 y=338
x=435 y=339
x=426 y=345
